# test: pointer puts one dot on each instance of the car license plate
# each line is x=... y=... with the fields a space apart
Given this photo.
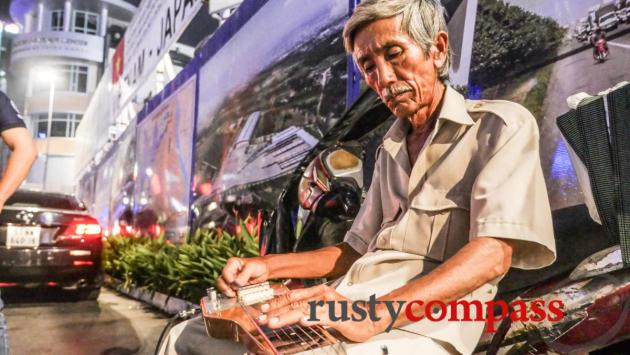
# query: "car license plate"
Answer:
x=24 y=237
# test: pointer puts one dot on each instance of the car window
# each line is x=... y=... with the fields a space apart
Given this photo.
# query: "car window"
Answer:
x=43 y=200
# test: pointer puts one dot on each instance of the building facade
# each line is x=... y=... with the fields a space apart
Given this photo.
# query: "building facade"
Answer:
x=56 y=63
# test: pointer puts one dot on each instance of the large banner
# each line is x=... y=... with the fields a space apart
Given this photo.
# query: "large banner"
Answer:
x=267 y=97
x=102 y=193
x=156 y=26
x=538 y=53
x=124 y=164
x=164 y=152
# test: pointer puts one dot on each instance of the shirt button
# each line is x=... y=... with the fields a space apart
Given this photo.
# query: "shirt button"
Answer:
x=349 y=283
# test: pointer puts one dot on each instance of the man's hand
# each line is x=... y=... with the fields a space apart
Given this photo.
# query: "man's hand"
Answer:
x=295 y=307
x=239 y=272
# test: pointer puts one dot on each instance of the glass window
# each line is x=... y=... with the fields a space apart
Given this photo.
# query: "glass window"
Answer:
x=42 y=128
x=23 y=198
x=85 y=22
x=71 y=78
x=79 y=22
x=56 y=20
x=61 y=125
x=59 y=129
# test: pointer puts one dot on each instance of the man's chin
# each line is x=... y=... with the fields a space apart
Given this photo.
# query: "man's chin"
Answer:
x=402 y=111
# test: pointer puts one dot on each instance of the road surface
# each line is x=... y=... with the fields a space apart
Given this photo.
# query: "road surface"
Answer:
x=51 y=324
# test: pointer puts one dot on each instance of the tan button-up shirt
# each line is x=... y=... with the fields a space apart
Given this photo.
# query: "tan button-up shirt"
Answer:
x=478 y=175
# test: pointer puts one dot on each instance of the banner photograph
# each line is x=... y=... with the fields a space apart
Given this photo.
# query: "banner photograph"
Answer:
x=315 y=177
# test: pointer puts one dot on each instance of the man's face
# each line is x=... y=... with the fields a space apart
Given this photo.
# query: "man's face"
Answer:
x=396 y=67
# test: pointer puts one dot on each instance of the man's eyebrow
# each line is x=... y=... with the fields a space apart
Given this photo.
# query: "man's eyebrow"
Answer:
x=362 y=58
x=388 y=45
x=379 y=48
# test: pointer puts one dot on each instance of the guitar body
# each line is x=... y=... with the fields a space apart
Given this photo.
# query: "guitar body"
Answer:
x=234 y=318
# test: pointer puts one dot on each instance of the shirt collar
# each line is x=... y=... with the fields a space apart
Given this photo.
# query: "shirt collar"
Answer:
x=453 y=109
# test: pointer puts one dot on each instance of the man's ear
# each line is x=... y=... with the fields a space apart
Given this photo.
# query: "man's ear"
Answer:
x=439 y=49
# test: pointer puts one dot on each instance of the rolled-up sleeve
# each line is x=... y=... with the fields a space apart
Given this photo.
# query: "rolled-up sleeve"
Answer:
x=9 y=115
x=368 y=221
x=509 y=197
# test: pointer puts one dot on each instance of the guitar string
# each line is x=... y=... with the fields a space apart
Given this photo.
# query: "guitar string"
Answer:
x=300 y=343
x=293 y=327
x=273 y=347
x=326 y=342
x=316 y=343
x=319 y=330
x=260 y=331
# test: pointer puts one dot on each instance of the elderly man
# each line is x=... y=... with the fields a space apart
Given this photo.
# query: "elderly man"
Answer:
x=457 y=198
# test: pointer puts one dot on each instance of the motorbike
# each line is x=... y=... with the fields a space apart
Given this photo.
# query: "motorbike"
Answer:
x=601 y=52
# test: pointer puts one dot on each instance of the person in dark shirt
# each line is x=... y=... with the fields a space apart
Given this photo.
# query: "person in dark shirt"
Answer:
x=23 y=153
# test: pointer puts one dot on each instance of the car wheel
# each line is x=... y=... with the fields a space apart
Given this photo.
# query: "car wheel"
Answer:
x=89 y=294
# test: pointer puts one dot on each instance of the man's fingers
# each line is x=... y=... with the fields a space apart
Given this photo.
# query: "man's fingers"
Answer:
x=301 y=306
x=284 y=319
x=245 y=274
x=232 y=267
x=294 y=296
x=223 y=287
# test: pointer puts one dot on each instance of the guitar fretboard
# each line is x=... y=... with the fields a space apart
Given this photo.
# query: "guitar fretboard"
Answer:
x=296 y=338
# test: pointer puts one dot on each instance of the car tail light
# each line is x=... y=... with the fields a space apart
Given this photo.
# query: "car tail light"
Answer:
x=82 y=263
x=82 y=228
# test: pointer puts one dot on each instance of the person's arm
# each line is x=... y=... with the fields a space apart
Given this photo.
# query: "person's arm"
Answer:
x=332 y=261
x=23 y=154
x=478 y=262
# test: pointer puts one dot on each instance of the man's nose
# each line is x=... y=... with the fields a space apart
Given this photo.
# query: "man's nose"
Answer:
x=386 y=75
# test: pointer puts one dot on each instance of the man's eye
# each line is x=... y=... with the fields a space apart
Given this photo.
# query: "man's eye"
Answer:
x=393 y=54
x=368 y=67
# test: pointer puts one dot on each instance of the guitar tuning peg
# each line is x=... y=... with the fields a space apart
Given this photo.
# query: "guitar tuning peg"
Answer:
x=212 y=293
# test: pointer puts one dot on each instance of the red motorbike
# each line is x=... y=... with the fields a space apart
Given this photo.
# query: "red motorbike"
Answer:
x=601 y=50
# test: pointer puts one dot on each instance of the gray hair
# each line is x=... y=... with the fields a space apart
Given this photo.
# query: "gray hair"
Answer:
x=420 y=19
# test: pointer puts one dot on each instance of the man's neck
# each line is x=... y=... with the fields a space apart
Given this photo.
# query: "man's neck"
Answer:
x=424 y=119
x=422 y=124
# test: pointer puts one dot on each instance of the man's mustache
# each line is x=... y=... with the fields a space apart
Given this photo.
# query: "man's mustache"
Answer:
x=395 y=90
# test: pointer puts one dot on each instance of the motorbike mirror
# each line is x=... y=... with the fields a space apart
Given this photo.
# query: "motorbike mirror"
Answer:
x=343 y=164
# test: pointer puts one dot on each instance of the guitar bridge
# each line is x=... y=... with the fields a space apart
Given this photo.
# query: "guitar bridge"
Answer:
x=253 y=294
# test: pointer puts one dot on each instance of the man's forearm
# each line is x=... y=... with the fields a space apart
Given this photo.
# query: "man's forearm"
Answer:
x=332 y=261
x=480 y=261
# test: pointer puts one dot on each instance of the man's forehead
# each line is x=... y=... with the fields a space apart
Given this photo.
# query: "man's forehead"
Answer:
x=378 y=35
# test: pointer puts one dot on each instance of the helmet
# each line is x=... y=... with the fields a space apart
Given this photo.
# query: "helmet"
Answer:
x=331 y=184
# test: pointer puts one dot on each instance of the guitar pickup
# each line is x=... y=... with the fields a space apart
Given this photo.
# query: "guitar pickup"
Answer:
x=253 y=294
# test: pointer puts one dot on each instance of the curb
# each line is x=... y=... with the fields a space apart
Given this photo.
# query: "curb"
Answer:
x=167 y=304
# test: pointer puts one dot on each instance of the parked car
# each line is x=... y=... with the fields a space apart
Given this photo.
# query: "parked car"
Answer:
x=583 y=30
x=50 y=240
x=624 y=14
x=607 y=17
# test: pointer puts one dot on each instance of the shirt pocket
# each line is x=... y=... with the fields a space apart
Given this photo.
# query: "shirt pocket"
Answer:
x=437 y=224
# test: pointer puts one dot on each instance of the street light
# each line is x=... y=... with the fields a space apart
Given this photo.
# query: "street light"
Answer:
x=47 y=74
